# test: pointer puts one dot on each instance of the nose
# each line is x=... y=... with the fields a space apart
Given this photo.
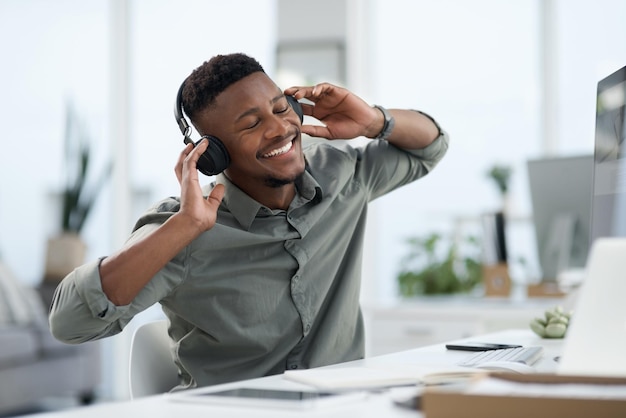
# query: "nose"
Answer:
x=277 y=126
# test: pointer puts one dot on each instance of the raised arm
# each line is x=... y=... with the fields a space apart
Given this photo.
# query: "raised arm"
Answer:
x=96 y=301
x=144 y=258
x=347 y=116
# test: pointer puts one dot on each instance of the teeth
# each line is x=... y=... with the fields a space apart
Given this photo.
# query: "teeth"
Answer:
x=279 y=151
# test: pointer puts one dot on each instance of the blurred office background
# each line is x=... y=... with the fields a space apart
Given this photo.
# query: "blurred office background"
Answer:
x=509 y=80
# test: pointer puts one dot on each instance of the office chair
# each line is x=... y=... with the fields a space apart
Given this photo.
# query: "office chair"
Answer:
x=151 y=368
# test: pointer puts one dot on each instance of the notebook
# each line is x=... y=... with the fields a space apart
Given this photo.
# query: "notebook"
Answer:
x=595 y=343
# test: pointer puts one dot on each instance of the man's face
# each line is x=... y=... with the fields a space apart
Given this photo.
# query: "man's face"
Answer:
x=260 y=130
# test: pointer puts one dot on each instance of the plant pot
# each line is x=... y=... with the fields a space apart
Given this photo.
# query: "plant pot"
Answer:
x=63 y=254
x=496 y=280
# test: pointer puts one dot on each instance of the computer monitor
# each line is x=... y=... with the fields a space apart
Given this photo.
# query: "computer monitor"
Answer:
x=560 y=189
x=609 y=182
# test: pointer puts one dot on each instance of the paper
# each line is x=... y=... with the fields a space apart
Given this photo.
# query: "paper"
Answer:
x=377 y=377
x=350 y=378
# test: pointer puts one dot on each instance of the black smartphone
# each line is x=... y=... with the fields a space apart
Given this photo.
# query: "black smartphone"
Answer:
x=478 y=346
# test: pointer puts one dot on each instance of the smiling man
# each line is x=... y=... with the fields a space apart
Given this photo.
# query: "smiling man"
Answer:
x=258 y=272
x=264 y=140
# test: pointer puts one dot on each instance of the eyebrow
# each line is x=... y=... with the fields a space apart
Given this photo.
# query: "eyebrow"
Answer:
x=256 y=109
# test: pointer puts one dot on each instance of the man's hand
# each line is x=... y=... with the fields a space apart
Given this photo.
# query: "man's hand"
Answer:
x=193 y=205
x=124 y=273
x=347 y=116
x=344 y=114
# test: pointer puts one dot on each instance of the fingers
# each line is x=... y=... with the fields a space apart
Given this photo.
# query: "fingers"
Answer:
x=216 y=195
x=188 y=158
x=178 y=169
x=321 y=89
x=296 y=91
x=307 y=109
x=312 y=93
x=317 y=131
x=315 y=94
x=194 y=154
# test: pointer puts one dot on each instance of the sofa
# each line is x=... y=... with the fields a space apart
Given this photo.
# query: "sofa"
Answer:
x=35 y=366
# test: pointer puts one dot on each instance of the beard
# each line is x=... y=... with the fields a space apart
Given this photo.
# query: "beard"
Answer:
x=275 y=182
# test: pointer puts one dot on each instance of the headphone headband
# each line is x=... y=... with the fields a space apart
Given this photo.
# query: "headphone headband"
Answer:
x=184 y=127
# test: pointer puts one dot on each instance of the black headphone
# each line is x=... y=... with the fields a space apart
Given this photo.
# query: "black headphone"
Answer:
x=215 y=159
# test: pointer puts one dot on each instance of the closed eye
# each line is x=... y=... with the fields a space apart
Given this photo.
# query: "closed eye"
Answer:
x=253 y=125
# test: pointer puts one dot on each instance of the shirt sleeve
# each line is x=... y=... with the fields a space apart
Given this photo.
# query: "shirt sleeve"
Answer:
x=80 y=310
x=384 y=167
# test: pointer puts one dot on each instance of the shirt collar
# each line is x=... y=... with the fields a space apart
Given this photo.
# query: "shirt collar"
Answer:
x=245 y=209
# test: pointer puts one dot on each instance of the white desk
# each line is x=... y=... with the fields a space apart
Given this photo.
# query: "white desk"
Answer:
x=376 y=404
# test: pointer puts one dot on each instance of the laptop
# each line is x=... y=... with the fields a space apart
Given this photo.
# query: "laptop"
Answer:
x=595 y=343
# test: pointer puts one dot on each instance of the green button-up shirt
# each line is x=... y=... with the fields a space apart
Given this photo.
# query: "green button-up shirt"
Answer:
x=264 y=290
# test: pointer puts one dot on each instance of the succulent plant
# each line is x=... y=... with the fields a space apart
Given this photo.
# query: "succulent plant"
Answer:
x=553 y=325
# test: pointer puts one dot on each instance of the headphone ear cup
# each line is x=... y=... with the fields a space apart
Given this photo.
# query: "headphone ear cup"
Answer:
x=215 y=159
x=295 y=105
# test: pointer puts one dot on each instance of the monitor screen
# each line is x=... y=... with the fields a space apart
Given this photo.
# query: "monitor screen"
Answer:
x=609 y=182
x=560 y=190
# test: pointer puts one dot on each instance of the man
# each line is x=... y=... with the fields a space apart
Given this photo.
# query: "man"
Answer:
x=259 y=272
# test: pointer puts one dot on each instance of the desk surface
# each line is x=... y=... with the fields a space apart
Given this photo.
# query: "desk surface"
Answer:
x=375 y=405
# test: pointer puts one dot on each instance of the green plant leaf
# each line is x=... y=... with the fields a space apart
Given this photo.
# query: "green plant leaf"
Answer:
x=434 y=266
x=78 y=197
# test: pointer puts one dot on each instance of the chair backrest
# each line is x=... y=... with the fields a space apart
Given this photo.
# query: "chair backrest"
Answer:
x=151 y=368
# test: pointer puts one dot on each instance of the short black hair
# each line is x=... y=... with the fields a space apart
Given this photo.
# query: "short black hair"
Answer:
x=211 y=78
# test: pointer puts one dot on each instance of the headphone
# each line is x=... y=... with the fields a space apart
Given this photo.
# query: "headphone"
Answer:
x=215 y=159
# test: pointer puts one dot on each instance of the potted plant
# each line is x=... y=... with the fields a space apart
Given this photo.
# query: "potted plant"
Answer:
x=501 y=176
x=495 y=270
x=66 y=250
x=433 y=267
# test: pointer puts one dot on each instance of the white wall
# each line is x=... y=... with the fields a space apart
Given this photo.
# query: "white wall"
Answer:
x=476 y=67
x=57 y=50
x=50 y=52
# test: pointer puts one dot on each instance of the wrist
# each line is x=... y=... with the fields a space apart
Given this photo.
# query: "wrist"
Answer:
x=388 y=124
x=187 y=227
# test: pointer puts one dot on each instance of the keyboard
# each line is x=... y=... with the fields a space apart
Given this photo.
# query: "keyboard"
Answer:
x=526 y=355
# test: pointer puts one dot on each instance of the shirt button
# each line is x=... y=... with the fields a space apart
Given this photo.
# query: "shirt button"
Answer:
x=293 y=366
x=307 y=327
